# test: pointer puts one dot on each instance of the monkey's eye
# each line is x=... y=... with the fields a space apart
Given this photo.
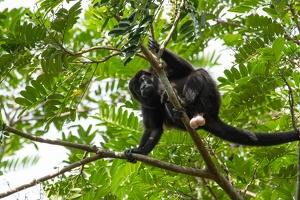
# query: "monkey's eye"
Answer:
x=144 y=79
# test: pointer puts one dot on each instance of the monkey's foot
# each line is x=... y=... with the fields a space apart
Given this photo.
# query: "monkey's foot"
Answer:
x=178 y=113
x=197 y=121
x=128 y=153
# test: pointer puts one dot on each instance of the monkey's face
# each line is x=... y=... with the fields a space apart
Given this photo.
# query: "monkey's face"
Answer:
x=146 y=86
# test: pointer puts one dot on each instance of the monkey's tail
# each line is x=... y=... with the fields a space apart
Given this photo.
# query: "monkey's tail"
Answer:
x=249 y=138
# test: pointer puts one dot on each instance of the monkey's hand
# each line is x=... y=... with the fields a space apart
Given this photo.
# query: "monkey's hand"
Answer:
x=178 y=113
x=152 y=44
x=164 y=97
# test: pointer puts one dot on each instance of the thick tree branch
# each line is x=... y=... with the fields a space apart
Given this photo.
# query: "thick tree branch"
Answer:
x=110 y=154
x=218 y=177
x=100 y=154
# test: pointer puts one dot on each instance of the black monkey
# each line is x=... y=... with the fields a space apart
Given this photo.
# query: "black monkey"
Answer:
x=201 y=100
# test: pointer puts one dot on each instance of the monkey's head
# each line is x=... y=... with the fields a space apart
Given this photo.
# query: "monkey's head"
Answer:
x=145 y=85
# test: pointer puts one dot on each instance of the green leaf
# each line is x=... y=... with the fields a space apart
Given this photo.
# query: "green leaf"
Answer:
x=22 y=101
x=277 y=47
x=236 y=74
x=223 y=80
x=27 y=95
x=241 y=9
x=38 y=87
x=229 y=75
x=232 y=39
x=33 y=91
x=243 y=70
x=296 y=78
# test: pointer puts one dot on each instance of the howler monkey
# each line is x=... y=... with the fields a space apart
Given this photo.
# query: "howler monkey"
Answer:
x=201 y=101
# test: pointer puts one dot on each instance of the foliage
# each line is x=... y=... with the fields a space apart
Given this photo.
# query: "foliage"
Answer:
x=62 y=65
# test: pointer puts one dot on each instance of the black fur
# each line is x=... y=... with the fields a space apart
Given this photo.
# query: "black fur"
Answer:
x=198 y=92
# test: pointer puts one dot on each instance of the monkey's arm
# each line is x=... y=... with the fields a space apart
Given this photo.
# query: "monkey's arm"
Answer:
x=180 y=66
x=153 y=129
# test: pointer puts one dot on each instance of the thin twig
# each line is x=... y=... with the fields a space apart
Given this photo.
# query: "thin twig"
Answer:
x=220 y=21
x=106 y=58
x=251 y=181
x=85 y=154
x=50 y=176
x=111 y=154
x=169 y=36
x=209 y=189
x=100 y=61
x=223 y=165
x=54 y=142
x=93 y=48
x=291 y=103
x=151 y=30
x=295 y=16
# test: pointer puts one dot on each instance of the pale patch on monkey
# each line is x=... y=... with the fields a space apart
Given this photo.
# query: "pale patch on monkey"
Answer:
x=197 y=121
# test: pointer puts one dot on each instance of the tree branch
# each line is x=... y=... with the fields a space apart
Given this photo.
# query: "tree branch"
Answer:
x=295 y=16
x=168 y=38
x=50 y=176
x=91 y=49
x=106 y=58
x=218 y=177
x=222 y=165
x=220 y=21
x=112 y=154
x=100 y=154
x=251 y=181
x=53 y=142
x=291 y=103
x=99 y=61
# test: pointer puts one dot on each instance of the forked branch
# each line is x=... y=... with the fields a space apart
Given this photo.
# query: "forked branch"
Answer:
x=218 y=177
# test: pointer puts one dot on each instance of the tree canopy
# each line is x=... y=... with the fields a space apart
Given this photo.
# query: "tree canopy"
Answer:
x=66 y=67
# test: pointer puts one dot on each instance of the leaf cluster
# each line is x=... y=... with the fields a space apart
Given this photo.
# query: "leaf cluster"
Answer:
x=66 y=68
